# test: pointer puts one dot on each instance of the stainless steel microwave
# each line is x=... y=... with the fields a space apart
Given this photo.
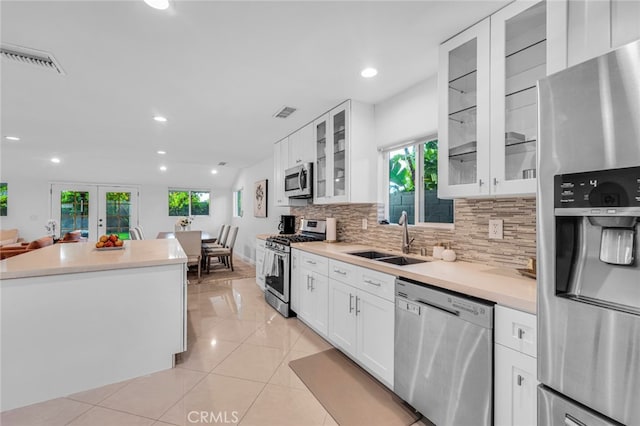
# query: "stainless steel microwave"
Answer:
x=298 y=181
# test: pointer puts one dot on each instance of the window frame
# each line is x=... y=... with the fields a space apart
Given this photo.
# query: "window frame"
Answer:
x=190 y=191
x=237 y=207
x=418 y=144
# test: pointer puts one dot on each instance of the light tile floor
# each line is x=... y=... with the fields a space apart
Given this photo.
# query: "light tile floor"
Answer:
x=235 y=371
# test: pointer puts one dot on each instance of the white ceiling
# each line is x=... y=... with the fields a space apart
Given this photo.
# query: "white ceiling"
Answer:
x=217 y=70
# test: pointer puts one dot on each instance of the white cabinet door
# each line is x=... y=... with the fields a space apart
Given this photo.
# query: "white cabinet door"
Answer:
x=375 y=323
x=339 y=148
x=625 y=22
x=589 y=30
x=305 y=298
x=319 y=286
x=515 y=388
x=301 y=146
x=342 y=316
x=260 y=250
x=464 y=119
x=294 y=295
x=518 y=59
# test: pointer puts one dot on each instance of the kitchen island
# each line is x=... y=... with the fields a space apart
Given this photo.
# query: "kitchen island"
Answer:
x=75 y=318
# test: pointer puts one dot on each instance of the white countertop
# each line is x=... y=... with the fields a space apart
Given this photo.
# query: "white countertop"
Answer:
x=83 y=257
x=501 y=285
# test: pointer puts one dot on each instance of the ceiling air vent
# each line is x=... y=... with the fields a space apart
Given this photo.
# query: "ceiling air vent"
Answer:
x=284 y=112
x=31 y=56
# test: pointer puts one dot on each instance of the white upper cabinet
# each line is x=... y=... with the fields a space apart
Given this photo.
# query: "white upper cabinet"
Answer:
x=463 y=91
x=488 y=101
x=280 y=161
x=596 y=27
x=345 y=150
x=301 y=146
x=518 y=61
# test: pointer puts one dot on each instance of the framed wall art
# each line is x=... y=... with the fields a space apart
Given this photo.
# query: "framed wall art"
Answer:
x=260 y=198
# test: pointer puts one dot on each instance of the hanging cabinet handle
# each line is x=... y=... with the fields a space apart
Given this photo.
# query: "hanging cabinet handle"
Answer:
x=519 y=380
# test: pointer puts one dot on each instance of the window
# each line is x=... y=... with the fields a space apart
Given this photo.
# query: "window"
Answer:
x=189 y=203
x=3 y=199
x=237 y=203
x=406 y=175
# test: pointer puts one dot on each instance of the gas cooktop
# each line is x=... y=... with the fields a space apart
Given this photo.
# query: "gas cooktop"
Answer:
x=295 y=238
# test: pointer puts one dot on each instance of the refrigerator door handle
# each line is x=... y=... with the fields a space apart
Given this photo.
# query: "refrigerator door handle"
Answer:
x=569 y=420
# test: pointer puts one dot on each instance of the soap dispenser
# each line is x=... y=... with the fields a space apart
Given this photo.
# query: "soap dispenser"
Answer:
x=448 y=255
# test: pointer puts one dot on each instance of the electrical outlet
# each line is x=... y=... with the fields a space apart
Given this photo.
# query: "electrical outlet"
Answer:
x=495 y=229
x=365 y=224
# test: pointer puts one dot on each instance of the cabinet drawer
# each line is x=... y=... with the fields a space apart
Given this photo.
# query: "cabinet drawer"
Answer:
x=377 y=283
x=516 y=330
x=314 y=263
x=343 y=272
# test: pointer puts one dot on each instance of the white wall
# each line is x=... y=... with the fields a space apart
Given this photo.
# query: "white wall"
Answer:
x=408 y=114
x=250 y=226
x=29 y=209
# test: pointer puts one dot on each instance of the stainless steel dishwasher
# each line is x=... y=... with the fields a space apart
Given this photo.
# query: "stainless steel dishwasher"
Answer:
x=444 y=354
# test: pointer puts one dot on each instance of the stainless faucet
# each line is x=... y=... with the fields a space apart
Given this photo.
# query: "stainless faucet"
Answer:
x=406 y=243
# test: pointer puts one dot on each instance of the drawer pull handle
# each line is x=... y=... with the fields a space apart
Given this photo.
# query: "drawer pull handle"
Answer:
x=350 y=302
x=519 y=380
x=373 y=282
x=520 y=333
x=338 y=271
x=311 y=262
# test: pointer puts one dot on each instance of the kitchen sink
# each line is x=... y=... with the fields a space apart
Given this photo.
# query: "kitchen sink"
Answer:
x=401 y=260
x=371 y=254
x=379 y=256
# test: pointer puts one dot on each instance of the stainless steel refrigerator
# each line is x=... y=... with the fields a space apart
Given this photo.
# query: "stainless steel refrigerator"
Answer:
x=588 y=242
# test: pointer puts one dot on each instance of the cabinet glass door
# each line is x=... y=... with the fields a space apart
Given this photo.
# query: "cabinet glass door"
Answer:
x=519 y=37
x=463 y=141
x=339 y=158
x=321 y=159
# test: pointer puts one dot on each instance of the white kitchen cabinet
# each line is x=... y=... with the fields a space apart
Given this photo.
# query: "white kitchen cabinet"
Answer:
x=342 y=320
x=594 y=27
x=280 y=163
x=488 y=101
x=294 y=293
x=301 y=146
x=260 y=250
x=313 y=288
x=515 y=371
x=344 y=151
x=361 y=317
x=375 y=333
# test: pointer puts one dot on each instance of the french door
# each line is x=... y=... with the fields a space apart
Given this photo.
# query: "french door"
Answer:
x=94 y=209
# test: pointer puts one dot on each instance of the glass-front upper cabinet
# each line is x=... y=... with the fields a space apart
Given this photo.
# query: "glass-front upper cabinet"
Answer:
x=320 y=172
x=464 y=113
x=519 y=60
x=332 y=156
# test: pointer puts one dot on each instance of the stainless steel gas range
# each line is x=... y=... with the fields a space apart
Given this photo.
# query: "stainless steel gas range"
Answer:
x=277 y=263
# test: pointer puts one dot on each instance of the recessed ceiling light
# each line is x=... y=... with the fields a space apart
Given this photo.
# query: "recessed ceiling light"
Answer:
x=369 y=72
x=158 y=4
x=12 y=138
x=162 y=152
x=55 y=160
x=160 y=118
x=214 y=171
x=163 y=168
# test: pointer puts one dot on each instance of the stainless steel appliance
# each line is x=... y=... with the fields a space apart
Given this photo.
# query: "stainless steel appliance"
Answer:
x=277 y=263
x=588 y=269
x=443 y=363
x=298 y=181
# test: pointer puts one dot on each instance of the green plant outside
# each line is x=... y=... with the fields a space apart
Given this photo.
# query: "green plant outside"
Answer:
x=179 y=202
x=402 y=168
x=3 y=198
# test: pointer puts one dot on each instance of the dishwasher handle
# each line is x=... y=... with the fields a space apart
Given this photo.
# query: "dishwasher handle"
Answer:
x=438 y=307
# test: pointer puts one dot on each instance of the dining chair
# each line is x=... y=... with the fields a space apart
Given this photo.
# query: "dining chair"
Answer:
x=134 y=234
x=191 y=242
x=140 y=232
x=225 y=254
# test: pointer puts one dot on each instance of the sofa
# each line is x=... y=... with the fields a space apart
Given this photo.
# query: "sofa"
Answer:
x=9 y=237
x=16 y=249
